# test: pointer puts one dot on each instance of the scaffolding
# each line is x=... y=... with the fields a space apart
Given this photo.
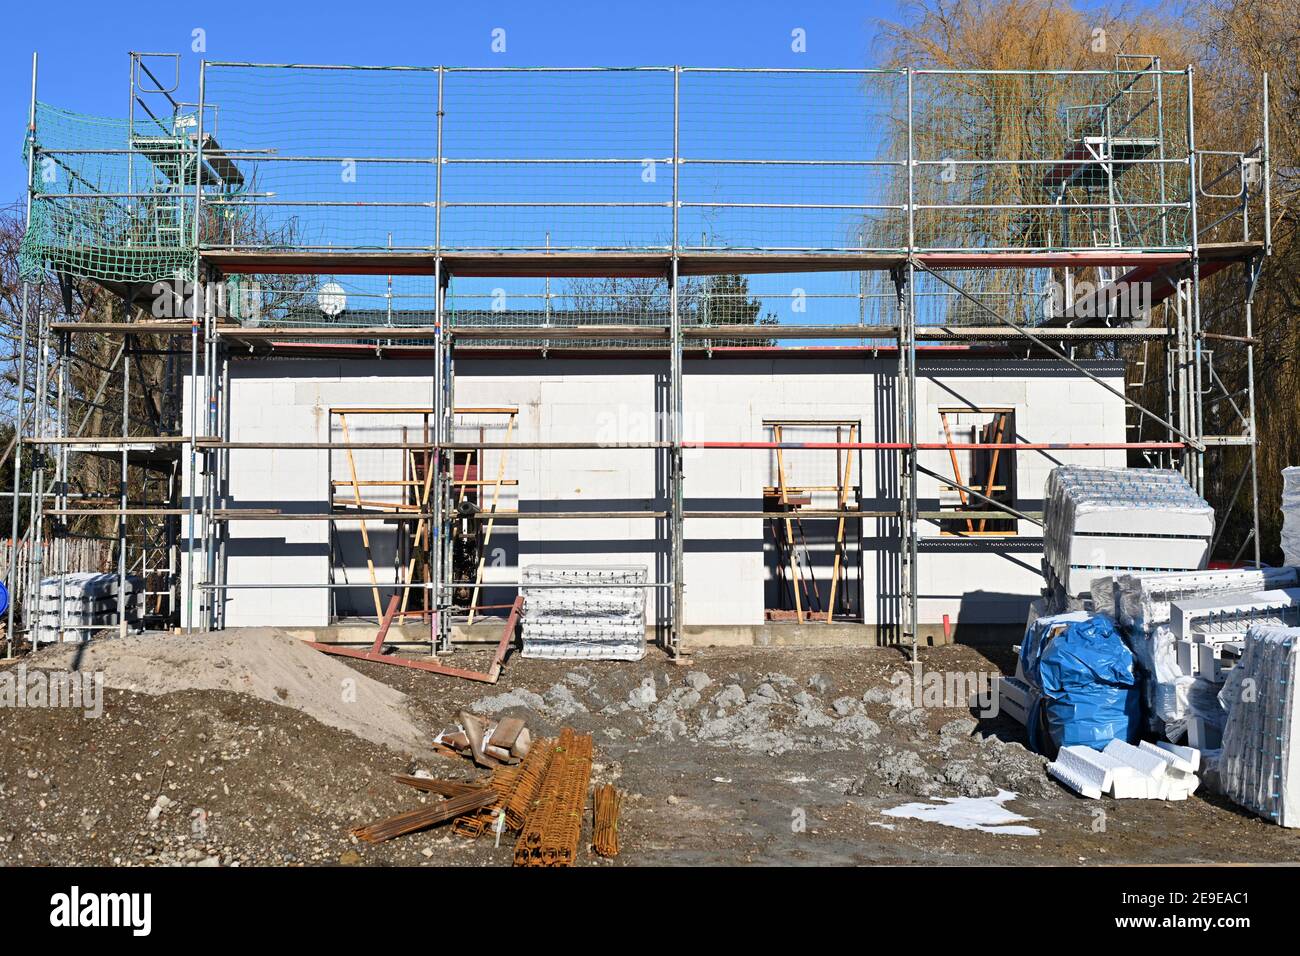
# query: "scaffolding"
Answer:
x=1047 y=213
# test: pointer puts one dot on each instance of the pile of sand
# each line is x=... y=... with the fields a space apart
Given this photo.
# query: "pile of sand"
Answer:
x=262 y=662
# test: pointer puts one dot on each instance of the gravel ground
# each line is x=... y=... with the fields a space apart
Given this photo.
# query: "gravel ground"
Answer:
x=739 y=756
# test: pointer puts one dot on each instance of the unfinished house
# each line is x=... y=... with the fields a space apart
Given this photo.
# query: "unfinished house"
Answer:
x=802 y=345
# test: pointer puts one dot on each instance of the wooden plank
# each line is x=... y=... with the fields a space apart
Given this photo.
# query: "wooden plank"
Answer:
x=993 y=470
x=429 y=469
x=841 y=501
x=365 y=534
x=796 y=579
x=487 y=536
x=956 y=468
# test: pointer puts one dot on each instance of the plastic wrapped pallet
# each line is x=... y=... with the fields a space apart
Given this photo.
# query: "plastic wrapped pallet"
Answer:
x=1084 y=676
x=1144 y=600
x=584 y=613
x=1291 y=516
x=1145 y=605
x=78 y=604
x=1257 y=767
x=1100 y=521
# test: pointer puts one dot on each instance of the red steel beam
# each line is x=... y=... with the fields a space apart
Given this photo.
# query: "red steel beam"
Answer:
x=375 y=655
x=944 y=446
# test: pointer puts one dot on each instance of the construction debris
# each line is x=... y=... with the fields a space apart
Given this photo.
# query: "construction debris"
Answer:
x=588 y=613
x=552 y=830
x=474 y=825
x=528 y=785
x=490 y=742
x=604 y=820
x=1255 y=767
x=376 y=653
x=424 y=817
x=1146 y=772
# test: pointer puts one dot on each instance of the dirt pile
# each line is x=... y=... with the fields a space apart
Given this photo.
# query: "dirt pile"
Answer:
x=265 y=663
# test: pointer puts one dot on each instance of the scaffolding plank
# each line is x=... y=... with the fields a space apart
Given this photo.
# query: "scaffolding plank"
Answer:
x=653 y=263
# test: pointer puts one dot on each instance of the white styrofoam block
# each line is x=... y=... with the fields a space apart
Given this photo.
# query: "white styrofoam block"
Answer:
x=1207 y=660
x=1189 y=755
x=1134 y=786
x=1091 y=766
x=1181 y=782
x=1203 y=735
x=1083 y=786
x=1145 y=598
x=1140 y=760
x=1176 y=762
x=1185 y=614
x=1015 y=711
x=1015 y=691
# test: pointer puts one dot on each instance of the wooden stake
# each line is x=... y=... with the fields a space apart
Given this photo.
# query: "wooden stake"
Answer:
x=487 y=535
x=841 y=501
x=956 y=468
x=365 y=535
x=993 y=471
x=789 y=530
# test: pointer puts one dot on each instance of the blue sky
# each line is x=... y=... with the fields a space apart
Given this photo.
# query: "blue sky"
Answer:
x=83 y=46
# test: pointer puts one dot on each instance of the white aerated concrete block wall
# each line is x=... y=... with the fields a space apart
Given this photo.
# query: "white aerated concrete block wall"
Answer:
x=726 y=398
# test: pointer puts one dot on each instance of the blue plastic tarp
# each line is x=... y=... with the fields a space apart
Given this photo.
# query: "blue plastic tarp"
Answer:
x=1087 y=678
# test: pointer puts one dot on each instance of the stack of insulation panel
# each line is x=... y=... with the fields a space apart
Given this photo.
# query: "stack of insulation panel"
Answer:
x=1098 y=522
x=1145 y=772
x=1256 y=768
x=1187 y=628
x=1291 y=515
x=584 y=613
x=84 y=602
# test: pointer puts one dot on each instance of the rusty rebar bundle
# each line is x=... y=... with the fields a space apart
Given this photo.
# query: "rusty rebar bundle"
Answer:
x=474 y=825
x=604 y=820
x=528 y=784
x=422 y=817
x=551 y=833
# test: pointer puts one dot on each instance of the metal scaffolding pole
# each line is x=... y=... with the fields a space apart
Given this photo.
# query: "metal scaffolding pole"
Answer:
x=1189 y=370
x=191 y=585
x=1197 y=423
x=441 y=526
x=905 y=285
x=677 y=526
x=19 y=426
x=14 y=568
x=123 y=485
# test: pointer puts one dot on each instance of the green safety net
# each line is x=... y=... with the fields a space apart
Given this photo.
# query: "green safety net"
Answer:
x=109 y=202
